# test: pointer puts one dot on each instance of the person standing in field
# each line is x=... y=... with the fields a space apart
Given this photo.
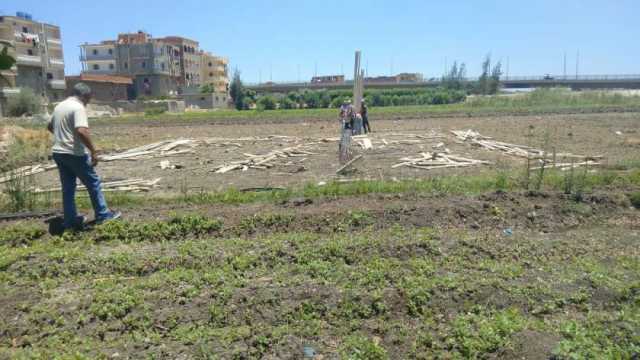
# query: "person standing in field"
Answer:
x=364 y=112
x=76 y=157
x=347 y=113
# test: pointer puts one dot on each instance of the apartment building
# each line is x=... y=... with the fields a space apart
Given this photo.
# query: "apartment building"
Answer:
x=214 y=72
x=158 y=66
x=37 y=48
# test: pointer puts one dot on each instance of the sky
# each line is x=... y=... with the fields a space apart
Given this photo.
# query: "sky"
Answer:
x=286 y=40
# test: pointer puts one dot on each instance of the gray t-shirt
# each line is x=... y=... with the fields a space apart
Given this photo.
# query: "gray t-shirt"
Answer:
x=67 y=117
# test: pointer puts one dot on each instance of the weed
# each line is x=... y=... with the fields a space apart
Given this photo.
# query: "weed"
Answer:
x=358 y=347
x=109 y=304
x=19 y=235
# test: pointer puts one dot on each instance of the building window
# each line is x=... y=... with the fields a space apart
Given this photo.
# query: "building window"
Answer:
x=49 y=76
x=126 y=65
x=144 y=64
x=96 y=67
x=112 y=66
x=110 y=51
x=29 y=51
x=24 y=29
x=95 y=51
x=210 y=74
x=210 y=64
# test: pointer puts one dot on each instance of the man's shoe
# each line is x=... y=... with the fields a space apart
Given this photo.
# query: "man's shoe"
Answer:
x=79 y=225
x=112 y=215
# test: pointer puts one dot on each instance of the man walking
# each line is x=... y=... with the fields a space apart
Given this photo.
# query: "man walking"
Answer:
x=76 y=157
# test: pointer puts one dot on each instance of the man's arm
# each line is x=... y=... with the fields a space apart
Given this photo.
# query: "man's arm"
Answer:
x=85 y=137
x=81 y=123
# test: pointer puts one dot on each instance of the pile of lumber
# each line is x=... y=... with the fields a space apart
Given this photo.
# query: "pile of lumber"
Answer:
x=262 y=162
x=476 y=138
x=158 y=149
x=436 y=160
x=26 y=171
x=129 y=185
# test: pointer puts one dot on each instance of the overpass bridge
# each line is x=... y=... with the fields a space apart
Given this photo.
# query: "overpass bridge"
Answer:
x=582 y=82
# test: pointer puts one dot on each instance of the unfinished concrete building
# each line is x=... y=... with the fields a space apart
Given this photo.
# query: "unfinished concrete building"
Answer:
x=37 y=48
x=158 y=66
x=214 y=72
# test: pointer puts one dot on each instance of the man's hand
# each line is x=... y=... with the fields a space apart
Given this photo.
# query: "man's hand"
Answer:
x=94 y=159
x=85 y=137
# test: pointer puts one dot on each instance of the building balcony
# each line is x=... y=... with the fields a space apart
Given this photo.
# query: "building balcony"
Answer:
x=57 y=84
x=31 y=60
x=90 y=57
x=100 y=72
x=56 y=62
x=54 y=41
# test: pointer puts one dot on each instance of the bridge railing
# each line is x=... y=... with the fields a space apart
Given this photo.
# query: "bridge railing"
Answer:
x=437 y=80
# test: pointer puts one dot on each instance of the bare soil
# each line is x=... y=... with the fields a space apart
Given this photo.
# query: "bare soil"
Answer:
x=581 y=134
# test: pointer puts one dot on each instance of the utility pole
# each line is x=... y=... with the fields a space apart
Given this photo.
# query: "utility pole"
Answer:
x=315 y=73
x=507 y=68
x=577 y=64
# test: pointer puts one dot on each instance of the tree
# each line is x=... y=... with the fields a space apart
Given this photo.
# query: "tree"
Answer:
x=494 y=81
x=236 y=91
x=267 y=102
x=483 y=81
x=6 y=61
x=455 y=78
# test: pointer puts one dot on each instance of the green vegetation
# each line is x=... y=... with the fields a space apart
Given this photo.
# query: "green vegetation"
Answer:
x=236 y=91
x=24 y=103
x=554 y=180
x=191 y=288
x=541 y=101
x=6 y=61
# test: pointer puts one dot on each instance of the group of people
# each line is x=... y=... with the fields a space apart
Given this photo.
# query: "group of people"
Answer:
x=349 y=116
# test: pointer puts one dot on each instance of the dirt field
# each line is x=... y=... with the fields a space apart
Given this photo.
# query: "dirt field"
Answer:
x=581 y=134
x=381 y=275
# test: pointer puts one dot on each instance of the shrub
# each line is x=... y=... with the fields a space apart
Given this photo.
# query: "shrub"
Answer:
x=25 y=103
x=154 y=111
x=267 y=103
x=635 y=199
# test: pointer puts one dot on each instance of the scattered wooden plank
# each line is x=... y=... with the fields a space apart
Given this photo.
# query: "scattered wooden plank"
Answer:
x=348 y=163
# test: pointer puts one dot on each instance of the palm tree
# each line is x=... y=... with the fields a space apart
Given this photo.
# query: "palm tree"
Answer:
x=6 y=61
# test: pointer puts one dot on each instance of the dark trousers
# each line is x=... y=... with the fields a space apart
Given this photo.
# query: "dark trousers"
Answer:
x=365 y=124
x=73 y=167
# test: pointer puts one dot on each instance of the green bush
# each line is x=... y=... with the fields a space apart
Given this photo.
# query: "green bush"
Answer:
x=635 y=199
x=267 y=103
x=25 y=103
x=154 y=111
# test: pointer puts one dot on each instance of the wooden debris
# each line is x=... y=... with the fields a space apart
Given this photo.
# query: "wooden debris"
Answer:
x=436 y=160
x=132 y=185
x=349 y=163
x=159 y=149
x=26 y=171
x=523 y=151
x=263 y=162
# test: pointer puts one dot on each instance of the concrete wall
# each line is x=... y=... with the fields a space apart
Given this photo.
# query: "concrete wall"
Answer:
x=102 y=91
x=154 y=85
x=206 y=101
